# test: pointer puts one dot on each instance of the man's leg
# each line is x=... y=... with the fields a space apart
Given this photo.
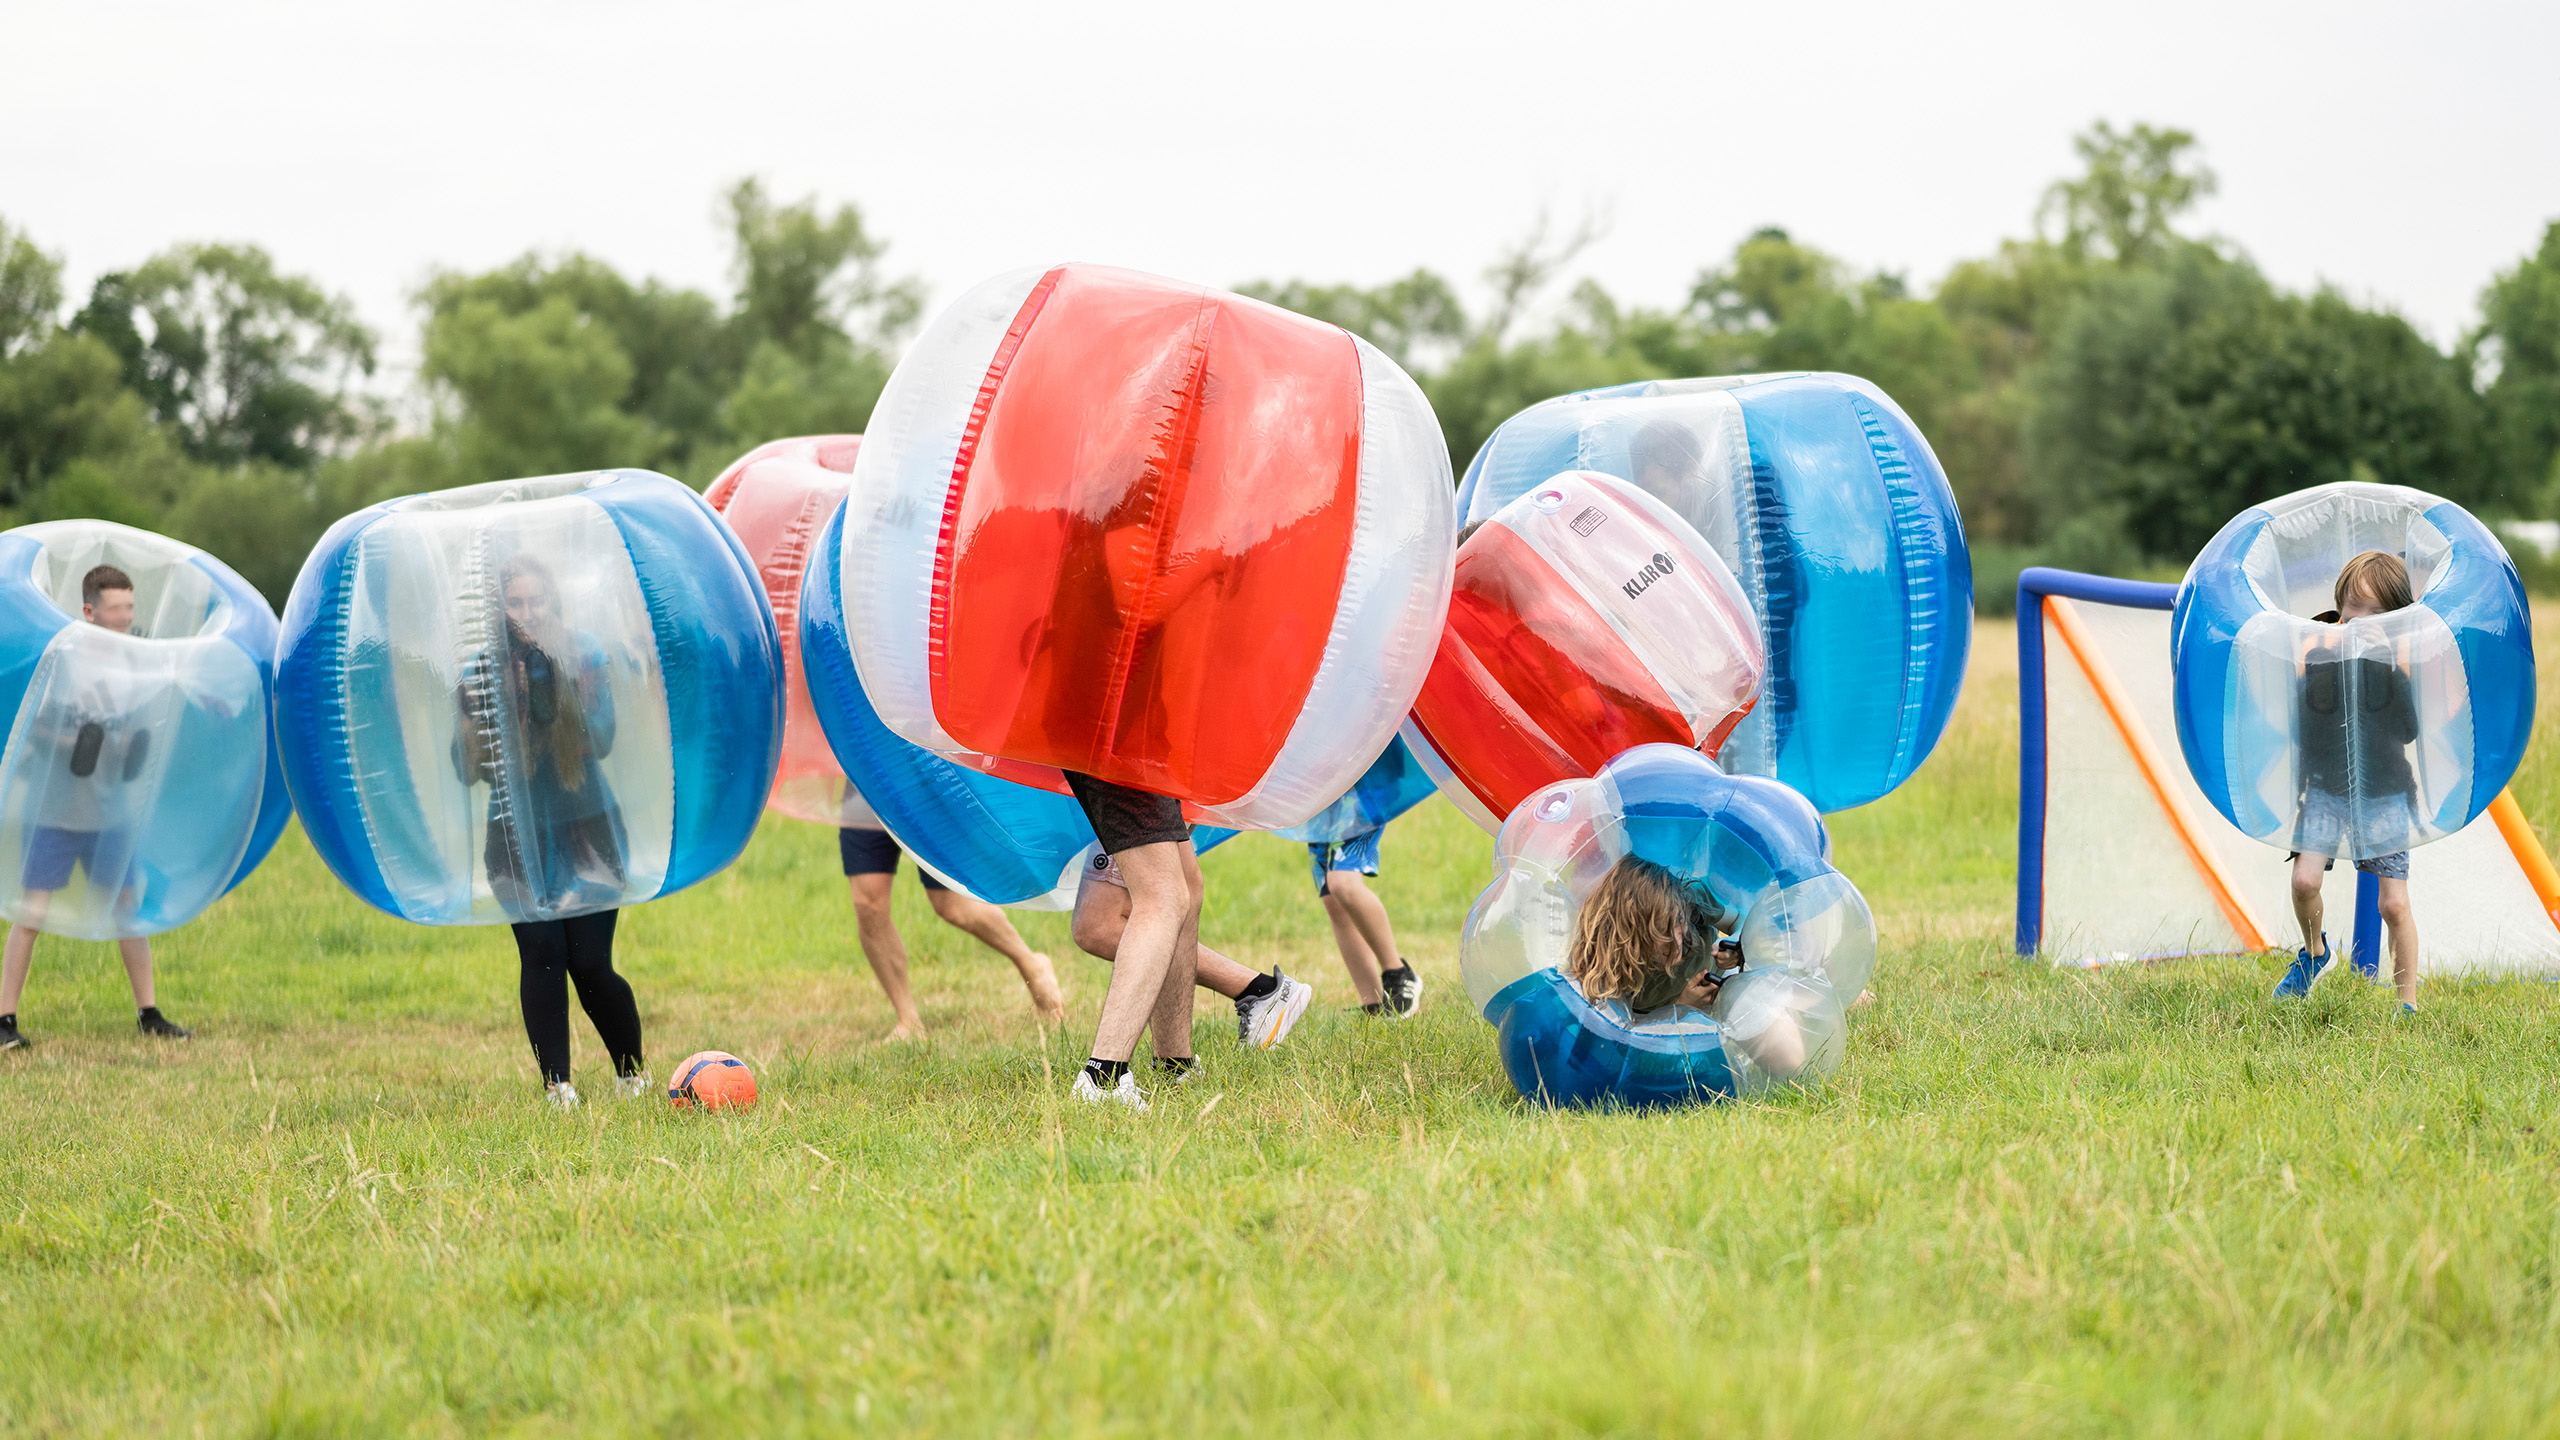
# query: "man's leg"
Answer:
x=136 y=950
x=1102 y=913
x=1163 y=919
x=1170 y=1025
x=885 y=949
x=21 y=949
x=988 y=926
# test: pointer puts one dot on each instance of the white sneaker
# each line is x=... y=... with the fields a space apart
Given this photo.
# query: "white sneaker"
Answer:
x=1125 y=1093
x=1263 y=1021
x=631 y=1086
x=561 y=1094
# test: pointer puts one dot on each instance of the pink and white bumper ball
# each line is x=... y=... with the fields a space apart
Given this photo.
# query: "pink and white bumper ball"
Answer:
x=777 y=499
x=1156 y=533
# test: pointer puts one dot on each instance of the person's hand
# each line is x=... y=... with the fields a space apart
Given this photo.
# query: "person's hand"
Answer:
x=1702 y=992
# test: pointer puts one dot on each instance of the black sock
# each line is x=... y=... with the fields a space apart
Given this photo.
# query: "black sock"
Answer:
x=9 y=1021
x=1374 y=1007
x=1106 y=1073
x=1177 y=1064
x=1262 y=985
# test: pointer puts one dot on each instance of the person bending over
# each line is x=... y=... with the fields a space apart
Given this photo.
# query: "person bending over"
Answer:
x=1385 y=983
x=1649 y=939
x=1267 y=1006
x=88 y=826
x=870 y=867
x=2358 y=719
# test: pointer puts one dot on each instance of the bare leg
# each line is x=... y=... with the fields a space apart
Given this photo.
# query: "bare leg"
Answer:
x=1169 y=1026
x=2401 y=924
x=1368 y=915
x=2308 y=871
x=1356 y=955
x=989 y=927
x=887 y=952
x=1102 y=912
x=1163 y=906
x=21 y=950
x=137 y=969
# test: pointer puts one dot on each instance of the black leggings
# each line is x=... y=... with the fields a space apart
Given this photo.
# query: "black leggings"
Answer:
x=583 y=947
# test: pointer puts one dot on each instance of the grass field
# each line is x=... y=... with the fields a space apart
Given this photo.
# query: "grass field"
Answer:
x=2134 y=1202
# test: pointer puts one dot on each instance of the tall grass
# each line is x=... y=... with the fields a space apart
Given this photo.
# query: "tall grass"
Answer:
x=2141 y=1201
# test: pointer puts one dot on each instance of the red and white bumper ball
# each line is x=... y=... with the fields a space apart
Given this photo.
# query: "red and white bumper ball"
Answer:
x=777 y=498
x=1160 y=534
x=1589 y=619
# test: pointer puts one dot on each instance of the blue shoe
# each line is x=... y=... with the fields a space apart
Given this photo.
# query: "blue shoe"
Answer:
x=2298 y=976
x=2408 y=1009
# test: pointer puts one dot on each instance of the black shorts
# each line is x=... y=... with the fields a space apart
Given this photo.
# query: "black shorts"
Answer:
x=1124 y=819
x=872 y=852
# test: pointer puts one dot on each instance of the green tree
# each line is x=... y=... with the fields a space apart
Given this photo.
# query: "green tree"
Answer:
x=2519 y=335
x=809 y=282
x=1414 y=320
x=242 y=362
x=30 y=291
x=2124 y=204
x=535 y=392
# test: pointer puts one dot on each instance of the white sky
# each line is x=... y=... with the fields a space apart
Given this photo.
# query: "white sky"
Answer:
x=2402 y=153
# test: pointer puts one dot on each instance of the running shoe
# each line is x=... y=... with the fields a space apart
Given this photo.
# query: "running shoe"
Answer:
x=10 y=1039
x=632 y=1086
x=152 y=1022
x=561 y=1094
x=2405 y=1008
x=1403 y=986
x=2304 y=970
x=1125 y=1093
x=1263 y=1021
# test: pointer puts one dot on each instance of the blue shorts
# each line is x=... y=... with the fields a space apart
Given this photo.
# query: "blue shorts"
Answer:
x=1359 y=853
x=51 y=854
x=872 y=852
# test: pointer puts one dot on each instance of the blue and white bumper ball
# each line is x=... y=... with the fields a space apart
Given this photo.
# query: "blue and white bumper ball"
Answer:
x=1808 y=940
x=138 y=784
x=530 y=699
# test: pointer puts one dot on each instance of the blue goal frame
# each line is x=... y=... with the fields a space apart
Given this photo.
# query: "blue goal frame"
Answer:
x=2364 y=948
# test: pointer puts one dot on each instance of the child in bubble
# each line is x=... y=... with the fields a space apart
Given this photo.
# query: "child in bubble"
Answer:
x=1386 y=983
x=90 y=826
x=1648 y=938
x=2357 y=720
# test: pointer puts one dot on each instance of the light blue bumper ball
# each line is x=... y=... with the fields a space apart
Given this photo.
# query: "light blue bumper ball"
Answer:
x=1808 y=940
x=1828 y=505
x=138 y=784
x=2363 y=738
x=1394 y=783
x=1005 y=843
x=529 y=699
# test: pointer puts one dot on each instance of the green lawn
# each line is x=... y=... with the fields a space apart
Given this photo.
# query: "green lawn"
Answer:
x=2132 y=1202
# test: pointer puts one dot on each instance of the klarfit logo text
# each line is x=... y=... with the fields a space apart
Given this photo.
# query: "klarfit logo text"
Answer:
x=1643 y=579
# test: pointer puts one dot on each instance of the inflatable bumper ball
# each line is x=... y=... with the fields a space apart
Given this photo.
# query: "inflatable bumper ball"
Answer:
x=1165 y=536
x=1006 y=843
x=1808 y=941
x=529 y=699
x=1831 y=510
x=1588 y=619
x=2363 y=738
x=777 y=498
x=139 y=783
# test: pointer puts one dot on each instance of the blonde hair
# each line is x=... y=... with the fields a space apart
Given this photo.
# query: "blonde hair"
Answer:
x=1642 y=922
x=2379 y=577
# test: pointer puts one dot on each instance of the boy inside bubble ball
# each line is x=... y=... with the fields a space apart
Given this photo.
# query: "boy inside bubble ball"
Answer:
x=1649 y=938
x=86 y=824
x=2358 y=718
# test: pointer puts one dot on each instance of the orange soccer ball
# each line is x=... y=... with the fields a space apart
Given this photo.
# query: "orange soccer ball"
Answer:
x=714 y=1080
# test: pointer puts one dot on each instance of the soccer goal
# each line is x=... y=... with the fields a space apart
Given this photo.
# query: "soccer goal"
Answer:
x=2121 y=857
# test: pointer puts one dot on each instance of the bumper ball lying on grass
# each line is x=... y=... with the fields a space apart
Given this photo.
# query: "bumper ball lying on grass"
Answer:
x=1832 y=512
x=139 y=783
x=1158 y=534
x=1588 y=619
x=529 y=699
x=2363 y=738
x=1759 y=857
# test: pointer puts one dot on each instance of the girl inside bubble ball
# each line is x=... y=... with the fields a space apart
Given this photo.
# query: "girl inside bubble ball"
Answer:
x=1650 y=938
x=555 y=834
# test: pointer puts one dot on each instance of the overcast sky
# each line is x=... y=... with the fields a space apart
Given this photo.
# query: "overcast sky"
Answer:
x=2404 y=153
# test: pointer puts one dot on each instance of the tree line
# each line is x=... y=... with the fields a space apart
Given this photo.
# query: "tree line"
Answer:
x=2104 y=391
